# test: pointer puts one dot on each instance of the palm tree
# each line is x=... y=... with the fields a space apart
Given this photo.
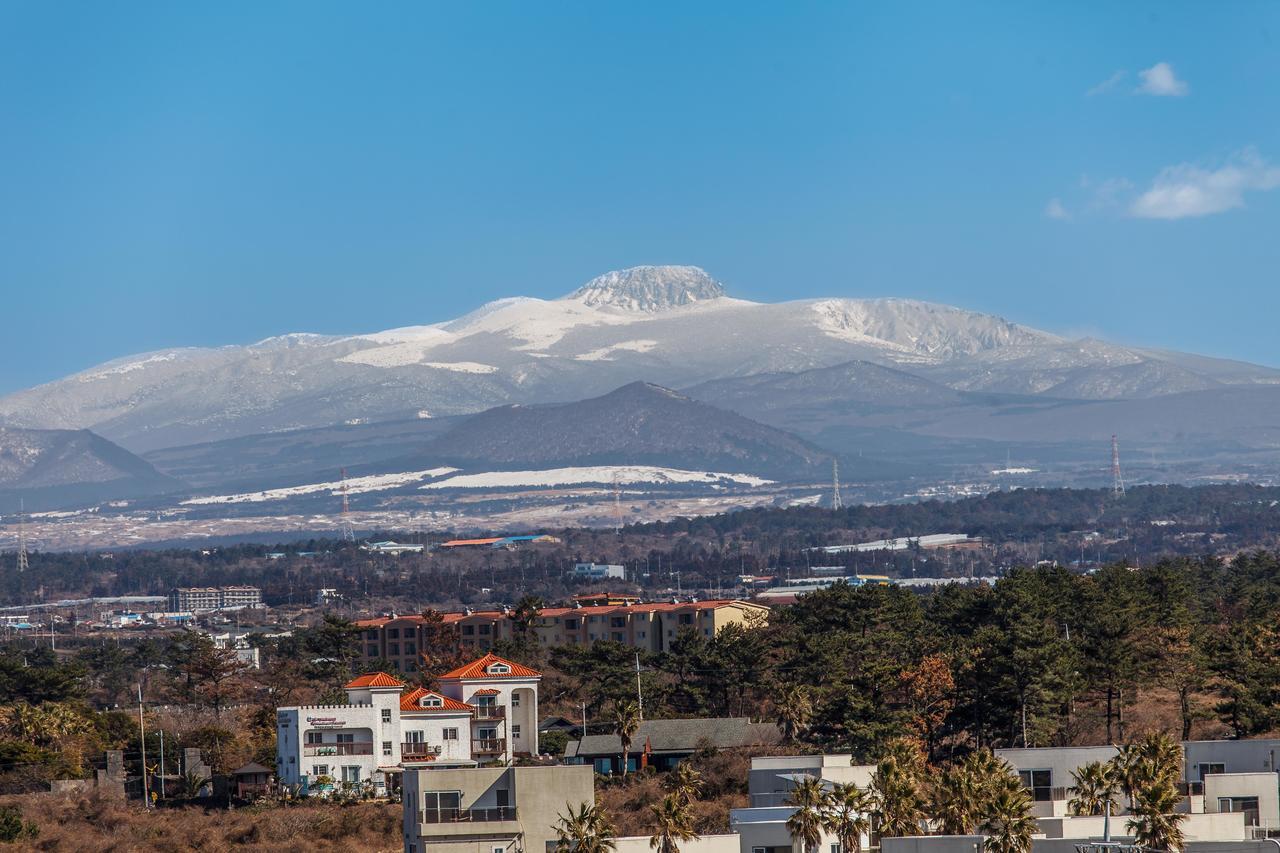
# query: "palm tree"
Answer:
x=794 y=710
x=845 y=816
x=586 y=829
x=806 y=822
x=683 y=782
x=674 y=824
x=1154 y=760
x=958 y=801
x=1008 y=824
x=896 y=789
x=1155 y=825
x=626 y=722
x=1096 y=785
x=190 y=784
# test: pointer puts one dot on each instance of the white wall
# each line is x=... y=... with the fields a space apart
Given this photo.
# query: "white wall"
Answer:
x=727 y=843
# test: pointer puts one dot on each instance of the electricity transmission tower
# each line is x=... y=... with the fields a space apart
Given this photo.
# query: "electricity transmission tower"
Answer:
x=1117 y=481
x=836 y=502
x=22 y=537
x=348 y=531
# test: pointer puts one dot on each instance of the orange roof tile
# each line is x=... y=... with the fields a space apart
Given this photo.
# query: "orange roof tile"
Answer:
x=374 y=679
x=488 y=691
x=412 y=701
x=478 y=669
x=452 y=543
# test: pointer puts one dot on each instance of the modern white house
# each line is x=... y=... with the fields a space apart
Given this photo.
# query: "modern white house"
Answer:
x=490 y=809
x=485 y=712
x=762 y=828
x=1046 y=773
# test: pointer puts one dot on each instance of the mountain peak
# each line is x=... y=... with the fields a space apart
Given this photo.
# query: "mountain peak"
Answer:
x=649 y=289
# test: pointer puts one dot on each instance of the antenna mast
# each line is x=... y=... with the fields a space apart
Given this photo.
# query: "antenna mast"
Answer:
x=1117 y=481
x=836 y=502
x=348 y=531
x=22 y=537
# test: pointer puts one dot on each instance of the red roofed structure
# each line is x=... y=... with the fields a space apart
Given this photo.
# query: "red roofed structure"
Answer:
x=375 y=680
x=490 y=666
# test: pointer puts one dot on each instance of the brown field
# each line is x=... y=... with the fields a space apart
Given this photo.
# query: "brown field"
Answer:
x=80 y=822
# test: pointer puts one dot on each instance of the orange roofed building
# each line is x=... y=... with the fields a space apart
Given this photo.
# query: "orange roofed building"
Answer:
x=652 y=627
x=484 y=712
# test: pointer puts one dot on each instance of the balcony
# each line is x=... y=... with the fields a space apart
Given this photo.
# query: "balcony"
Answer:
x=491 y=712
x=419 y=751
x=313 y=749
x=490 y=815
x=489 y=746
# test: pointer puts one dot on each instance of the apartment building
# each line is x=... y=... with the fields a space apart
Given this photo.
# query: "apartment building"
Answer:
x=209 y=598
x=484 y=712
x=490 y=810
x=651 y=626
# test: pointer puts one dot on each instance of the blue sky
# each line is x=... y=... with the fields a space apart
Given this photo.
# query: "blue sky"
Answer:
x=198 y=174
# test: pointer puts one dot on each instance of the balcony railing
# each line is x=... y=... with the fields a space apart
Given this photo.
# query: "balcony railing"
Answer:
x=1190 y=789
x=491 y=712
x=419 y=750
x=467 y=815
x=489 y=746
x=365 y=748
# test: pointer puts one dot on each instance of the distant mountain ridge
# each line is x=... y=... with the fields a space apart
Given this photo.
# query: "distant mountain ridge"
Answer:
x=671 y=325
x=50 y=468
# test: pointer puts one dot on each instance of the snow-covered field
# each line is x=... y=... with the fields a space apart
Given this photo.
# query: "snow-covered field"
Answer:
x=355 y=486
x=624 y=474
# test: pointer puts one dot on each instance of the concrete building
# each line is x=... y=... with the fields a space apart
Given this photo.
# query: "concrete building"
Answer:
x=599 y=571
x=653 y=626
x=484 y=712
x=762 y=828
x=490 y=810
x=1046 y=773
x=395 y=549
x=207 y=599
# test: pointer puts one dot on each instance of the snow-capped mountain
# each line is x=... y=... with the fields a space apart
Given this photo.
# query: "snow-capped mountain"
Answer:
x=671 y=325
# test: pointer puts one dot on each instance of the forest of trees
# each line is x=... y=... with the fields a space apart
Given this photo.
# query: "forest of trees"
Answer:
x=1072 y=527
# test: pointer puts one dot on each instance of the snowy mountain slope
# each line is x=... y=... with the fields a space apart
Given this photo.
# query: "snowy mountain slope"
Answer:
x=674 y=326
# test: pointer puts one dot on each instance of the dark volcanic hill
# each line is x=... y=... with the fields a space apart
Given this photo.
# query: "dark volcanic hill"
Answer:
x=52 y=468
x=639 y=424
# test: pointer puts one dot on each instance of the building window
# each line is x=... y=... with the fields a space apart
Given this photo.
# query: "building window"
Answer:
x=484 y=629
x=571 y=624
x=393 y=633
x=515 y=700
x=449 y=734
x=515 y=731
x=393 y=649
x=468 y=630
x=641 y=635
x=618 y=622
x=1207 y=769
x=410 y=649
x=371 y=651
x=1248 y=805
x=498 y=669
x=346 y=738
x=440 y=806
x=315 y=737
x=835 y=848
x=321 y=769
x=1039 y=783
x=371 y=634
x=386 y=715
x=386 y=747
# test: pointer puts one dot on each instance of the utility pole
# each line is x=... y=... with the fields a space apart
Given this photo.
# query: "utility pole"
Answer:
x=639 y=692
x=22 y=536
x=162 y=793
x=142 y=739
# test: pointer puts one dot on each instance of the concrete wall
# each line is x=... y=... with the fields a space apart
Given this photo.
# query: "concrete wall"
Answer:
x=1197 y=827
x=727 y=843
x=768 y=788
x=933 y=844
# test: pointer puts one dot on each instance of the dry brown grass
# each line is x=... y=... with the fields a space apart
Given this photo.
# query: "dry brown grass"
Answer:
x=93 y=822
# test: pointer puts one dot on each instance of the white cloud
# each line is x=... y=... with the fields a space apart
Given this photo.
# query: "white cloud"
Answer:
x=1108 y=84
x=1188 y=190
x=1055 y=210
x=1160 y=80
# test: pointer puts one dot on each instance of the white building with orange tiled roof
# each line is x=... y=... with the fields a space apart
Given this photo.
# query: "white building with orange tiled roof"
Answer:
x=485 y=712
